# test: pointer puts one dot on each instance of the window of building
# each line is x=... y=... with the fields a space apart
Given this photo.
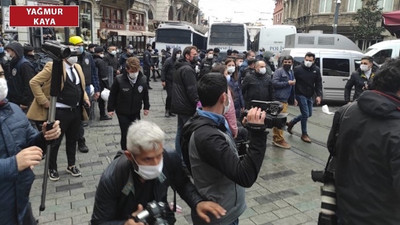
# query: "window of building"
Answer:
x=325 y=6
x=136 y=20
x=354 y=5
x=111 y=15
x=85 y=9
x=387 y=5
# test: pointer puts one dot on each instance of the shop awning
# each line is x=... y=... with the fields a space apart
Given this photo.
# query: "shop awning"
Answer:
x=148 y=34
x=391 y=21
x=125 y=32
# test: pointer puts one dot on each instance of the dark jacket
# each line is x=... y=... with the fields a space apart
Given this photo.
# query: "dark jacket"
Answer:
x=147 y=61
x=127 y=99
x=308 y=80
x=280 y=80
x=219 y=174
x=257 y=87
x=89 y=70
x=184 y=89
x=114 y=204
x=112 y=61
x=358 y=80
x=206 y=66
x=168 y=70
x=368 y=161
x=18 y=77
x=102 y=71
x=238 y=99
x=16 y=134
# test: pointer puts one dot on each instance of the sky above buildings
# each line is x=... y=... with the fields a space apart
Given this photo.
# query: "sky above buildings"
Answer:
x=238 y=10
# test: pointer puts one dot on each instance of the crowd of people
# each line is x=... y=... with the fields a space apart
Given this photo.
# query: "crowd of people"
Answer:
x=212 y=98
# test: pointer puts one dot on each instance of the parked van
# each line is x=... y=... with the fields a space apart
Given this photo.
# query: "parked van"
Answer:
x=336 y=67
x=384 y=50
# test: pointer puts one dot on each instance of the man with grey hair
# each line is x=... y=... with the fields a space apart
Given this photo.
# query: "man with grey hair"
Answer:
x=143 y=174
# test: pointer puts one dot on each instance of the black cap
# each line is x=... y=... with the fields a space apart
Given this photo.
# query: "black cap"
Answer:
x=92 y=45
x=216 y=50
x=98 y=49
x=28 y=48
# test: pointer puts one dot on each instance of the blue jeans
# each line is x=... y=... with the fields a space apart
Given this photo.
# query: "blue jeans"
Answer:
x=182 y=119
x=305 y=105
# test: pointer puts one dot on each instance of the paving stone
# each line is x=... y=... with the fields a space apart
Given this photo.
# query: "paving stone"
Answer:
x=279 y=174
x=90 y=194
x=71 y=213
x=66 y=221
x=68 y=187
x=285 y=212
x=263 y=218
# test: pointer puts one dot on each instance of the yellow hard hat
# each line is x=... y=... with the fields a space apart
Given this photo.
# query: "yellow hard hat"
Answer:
x=75 y=40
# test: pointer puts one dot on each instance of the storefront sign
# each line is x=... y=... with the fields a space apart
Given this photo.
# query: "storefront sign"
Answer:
x=44 y=16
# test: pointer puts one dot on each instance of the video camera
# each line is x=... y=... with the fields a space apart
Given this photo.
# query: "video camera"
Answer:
x=58 y=51
x=273 y=109
x=154 y=214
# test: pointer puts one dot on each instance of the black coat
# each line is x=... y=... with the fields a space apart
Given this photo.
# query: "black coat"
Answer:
x=358 y=80
x=102 y=71
x=127 y=99
x=257 y=87
x=308 y=80
x=112 y=61
x=112 y=206
x=184 y=89
x=368 y=160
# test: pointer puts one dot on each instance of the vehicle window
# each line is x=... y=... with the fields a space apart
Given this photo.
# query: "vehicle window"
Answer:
x=381 y=56
x=336 y=67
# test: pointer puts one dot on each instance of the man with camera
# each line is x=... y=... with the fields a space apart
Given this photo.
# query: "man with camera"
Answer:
x=364 y=141
x=142 y=174
x=210 y=152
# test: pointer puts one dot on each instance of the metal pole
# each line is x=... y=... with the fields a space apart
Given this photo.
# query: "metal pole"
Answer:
x=335 y=23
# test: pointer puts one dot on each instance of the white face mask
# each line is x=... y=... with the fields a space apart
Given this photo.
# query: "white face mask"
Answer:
x=197 y=69
x=130 y=51
x=101 y=55
x=210 y=56
x=3 y=89
x=240 y=64
x=114 y=52
x=228 y=77
x=7 y=56
x=226 y=107
x=178 y=56
x=150 y=172
x=231 y=69
x=263 y=70
x=133 y=75
x=72 y=60
x=364 y=68
x=308 y=63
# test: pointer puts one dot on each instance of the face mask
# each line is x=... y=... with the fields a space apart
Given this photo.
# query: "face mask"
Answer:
x=263 y=70
x=7 y=56
x=114 y=52
x=364 y=68
x=1 y=49
x=130 y=51
x=240 y=64
x=133 y=75
x=287 y=67
x=197 y=69
x=101 y=55
x=72 y=60
x=81 y=49
x=3 y=89
x=210 y=56
x=150 y=172
x=228 y=77
x=178 y=56
x=226 y=107
x=231 y=69
x=308 y=63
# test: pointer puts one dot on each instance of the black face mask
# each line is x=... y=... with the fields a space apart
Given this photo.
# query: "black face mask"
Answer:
x=287 y=67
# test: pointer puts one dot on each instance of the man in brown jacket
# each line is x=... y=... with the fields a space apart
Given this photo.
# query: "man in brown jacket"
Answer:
x=69 y=109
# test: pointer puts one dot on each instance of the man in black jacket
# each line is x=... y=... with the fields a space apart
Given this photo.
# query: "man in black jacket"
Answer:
x=360 y=79
x=367 y=152
x=184 y=90
x=167 y=75
x=308 y=83
x=112 y=60
x=147 y=64
x=18 y=76
x=101 y=66
x=142 y=174
x=128 y=94
x=210 y=152
x=207 y=63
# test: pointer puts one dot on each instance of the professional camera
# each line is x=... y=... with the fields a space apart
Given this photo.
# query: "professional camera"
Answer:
x=154 y=214
x=273 y=109
x=58 y=51
x=327 y=216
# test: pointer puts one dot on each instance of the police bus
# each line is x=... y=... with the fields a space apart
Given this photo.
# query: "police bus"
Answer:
x=227 y=36
x=272 y=38
x=178 y=35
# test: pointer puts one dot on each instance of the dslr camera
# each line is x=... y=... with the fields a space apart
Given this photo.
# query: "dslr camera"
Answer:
x=58 y=51
x=273 y=109
x=154 y=214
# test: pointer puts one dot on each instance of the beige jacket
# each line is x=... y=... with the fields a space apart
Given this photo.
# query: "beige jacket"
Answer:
x=40 y=86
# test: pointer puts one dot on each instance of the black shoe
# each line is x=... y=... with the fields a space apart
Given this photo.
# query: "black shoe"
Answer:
x=105 y=117
x=172 y=115
x=150 y=88
x=74 y=171
x=82 y=147
x=289 y=127
x=53 y=175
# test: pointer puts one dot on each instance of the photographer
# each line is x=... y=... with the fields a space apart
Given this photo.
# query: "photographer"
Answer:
x=142 y=174
x=210 y=152
x=366 y=149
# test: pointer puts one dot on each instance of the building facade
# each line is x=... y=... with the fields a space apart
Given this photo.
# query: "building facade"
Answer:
x=309 y=15
x=278 y=12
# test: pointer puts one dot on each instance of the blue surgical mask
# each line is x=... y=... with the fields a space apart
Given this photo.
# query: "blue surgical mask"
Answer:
x=1 y=49
x=81 y=49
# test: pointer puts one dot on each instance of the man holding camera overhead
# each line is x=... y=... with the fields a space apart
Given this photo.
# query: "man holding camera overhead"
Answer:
x=142 y=174
x=209 y=150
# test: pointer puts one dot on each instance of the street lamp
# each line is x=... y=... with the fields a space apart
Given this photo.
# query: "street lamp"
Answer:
x=335 y=23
